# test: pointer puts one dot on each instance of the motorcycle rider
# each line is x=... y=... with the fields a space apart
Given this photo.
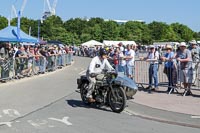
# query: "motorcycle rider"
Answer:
x=96 y=67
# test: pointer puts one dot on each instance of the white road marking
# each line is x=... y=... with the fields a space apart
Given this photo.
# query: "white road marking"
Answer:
x=64 y=120
x=37 y=124
x=82 y=72
x=130 y=112
x=51 y=126
x=195 y=117
x=0 y=116
x=11 y=112
x=9 y=124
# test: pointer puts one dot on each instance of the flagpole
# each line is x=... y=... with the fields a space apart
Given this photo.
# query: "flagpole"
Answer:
x=18 y=25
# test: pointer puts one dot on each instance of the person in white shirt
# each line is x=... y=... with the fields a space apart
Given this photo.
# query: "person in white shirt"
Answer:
x=96 y=66
x=130 y=58
x=121 y=47
x=121 y=62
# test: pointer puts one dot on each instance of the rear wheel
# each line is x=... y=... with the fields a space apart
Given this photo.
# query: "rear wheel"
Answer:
x=117 y=100
x=83 y=92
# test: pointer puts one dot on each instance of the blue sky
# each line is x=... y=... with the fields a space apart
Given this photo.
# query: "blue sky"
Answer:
x=169 y=11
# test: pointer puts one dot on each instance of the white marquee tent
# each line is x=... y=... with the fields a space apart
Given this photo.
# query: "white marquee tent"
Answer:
x=92 y=43
x=115 y=43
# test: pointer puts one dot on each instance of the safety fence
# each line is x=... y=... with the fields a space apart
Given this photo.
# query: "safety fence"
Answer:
x=175 y=77
x=19 y=67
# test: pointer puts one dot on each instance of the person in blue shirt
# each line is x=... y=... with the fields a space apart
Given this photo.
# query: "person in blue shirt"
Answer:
x=168 y=59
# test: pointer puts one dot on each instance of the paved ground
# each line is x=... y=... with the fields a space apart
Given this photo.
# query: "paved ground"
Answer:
x=171 y=102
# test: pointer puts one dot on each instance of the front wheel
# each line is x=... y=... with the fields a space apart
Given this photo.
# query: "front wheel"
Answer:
x=117 y=100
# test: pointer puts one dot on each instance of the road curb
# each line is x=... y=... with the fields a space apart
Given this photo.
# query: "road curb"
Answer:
x=163 y=115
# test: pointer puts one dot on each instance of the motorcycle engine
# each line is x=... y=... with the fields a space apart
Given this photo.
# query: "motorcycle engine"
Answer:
x=99 y=99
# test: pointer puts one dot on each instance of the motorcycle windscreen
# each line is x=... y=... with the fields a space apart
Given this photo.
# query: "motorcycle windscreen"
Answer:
x=125 y=81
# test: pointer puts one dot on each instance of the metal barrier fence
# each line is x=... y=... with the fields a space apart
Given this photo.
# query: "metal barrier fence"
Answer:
x=24 y=67
x=173 y=79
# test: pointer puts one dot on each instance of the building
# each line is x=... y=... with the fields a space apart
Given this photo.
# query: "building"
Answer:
x=123 y=21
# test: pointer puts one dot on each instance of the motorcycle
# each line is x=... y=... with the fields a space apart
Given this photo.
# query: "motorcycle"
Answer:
x=108 y=90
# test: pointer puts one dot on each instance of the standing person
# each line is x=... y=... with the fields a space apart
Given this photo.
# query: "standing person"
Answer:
x=168 y=69
x=60 y=57
x=43 y=62
x=122 y=63
x=152 y=58
x=121 y=47
x=130 y=58
x=195 y=51
x=184 y=58
x=4 y=55
x=116 y=59
x=20 y=59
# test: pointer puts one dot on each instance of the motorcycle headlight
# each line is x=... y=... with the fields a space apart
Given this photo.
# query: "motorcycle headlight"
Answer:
x=130 y=92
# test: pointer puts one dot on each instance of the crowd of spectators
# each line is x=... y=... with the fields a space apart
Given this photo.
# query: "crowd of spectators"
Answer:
x=23 y=58
x=180 y=63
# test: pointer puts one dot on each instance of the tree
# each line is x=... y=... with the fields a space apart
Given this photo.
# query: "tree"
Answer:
x=197 y=35
x=4 y=22
x=76 y=26
x=95 y=32
x=52 y=27
x=110 y=30
x=183 y=32
x=95 y=21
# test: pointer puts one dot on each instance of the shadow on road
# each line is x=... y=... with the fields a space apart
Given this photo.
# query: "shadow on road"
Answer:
x=80 y=104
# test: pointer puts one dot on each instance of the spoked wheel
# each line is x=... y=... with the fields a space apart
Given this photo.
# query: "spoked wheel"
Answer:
x=83 y=92
x=117 y=100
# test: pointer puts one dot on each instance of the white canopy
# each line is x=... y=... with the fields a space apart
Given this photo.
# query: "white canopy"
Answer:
x=26 y=43
x=92 y=43
x=115 y=43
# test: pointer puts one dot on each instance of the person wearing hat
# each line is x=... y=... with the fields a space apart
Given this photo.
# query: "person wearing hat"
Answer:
x=95 y=68
x=152 y=58
x=168 y=67
x=195 y=51
x=184 y=58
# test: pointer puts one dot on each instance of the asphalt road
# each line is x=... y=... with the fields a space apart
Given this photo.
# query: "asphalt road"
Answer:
x=49 y=104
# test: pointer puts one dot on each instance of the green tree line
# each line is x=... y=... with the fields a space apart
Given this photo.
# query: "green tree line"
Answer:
x=77 y=30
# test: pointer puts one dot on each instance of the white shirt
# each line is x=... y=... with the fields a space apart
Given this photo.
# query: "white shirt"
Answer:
x=96 y=65
x=154 y=55
x=131 y=53
x=121 y=61
x=121 y=49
